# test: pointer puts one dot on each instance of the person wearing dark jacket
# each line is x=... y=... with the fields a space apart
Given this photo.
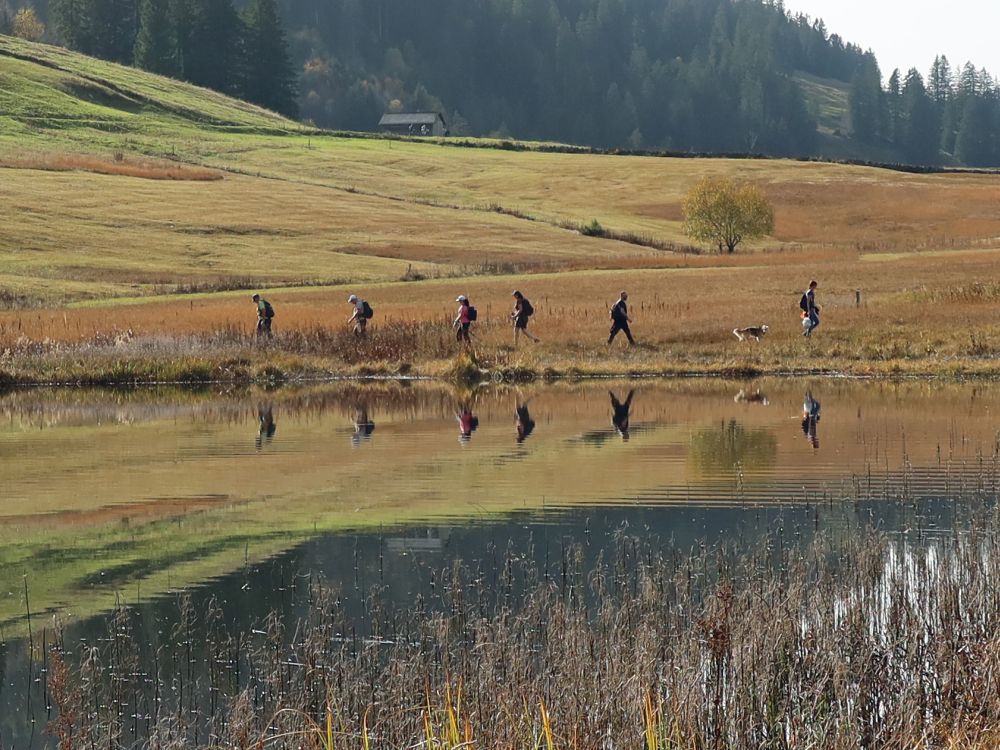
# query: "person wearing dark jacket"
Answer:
x=620 y=319
x=520 y=315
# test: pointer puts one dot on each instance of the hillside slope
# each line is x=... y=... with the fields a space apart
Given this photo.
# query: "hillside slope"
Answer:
x=118 y=183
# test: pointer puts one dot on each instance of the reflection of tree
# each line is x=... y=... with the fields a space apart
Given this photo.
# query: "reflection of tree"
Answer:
x=720 y=448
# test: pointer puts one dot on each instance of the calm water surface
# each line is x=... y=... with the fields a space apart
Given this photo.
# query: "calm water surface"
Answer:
x=246 y=496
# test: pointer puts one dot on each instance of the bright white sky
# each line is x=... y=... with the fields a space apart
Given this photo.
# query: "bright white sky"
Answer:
x=908 y=34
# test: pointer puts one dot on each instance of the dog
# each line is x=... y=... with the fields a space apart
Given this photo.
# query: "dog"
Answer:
x=751 y=332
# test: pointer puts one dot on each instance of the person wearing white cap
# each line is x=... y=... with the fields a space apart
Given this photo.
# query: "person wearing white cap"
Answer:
x=362 y=312
x=463 y=321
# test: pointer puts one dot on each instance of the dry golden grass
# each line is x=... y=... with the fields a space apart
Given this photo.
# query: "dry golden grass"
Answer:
x=683 y=317
x=118 y=165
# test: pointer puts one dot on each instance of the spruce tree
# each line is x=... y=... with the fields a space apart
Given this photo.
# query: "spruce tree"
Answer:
x=865 y=101
x=113 y=28
x=213 y=56
x=74 y=21
x=922 y=136
x=268 y=75
x=974 y=144
x=6 y=18
x=155 y=48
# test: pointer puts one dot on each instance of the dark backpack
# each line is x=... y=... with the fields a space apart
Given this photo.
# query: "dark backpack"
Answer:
x=804 y=302
x=472 y=314
x=526 y=309
x=366 y=310
x=268 y=310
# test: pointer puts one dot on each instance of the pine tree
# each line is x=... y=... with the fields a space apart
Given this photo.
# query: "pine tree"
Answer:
x=6 y=18
x=269 y=78
x=73 y=20
x=865 y=101
x=155 y=47
x=113 y=28
x=213 y=55
x=894 y=108
x=974 y=144
x=922 y=136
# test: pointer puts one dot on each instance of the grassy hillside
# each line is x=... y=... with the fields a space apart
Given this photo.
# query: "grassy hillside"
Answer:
x=159 y=205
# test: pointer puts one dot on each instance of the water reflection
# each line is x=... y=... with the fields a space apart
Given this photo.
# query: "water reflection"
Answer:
x=751 y=397
x=620 y=411
x=810 y=419
x=143 y=492
x=467 y=422
x=266 y=426
x=363 y=424
x=523 y=423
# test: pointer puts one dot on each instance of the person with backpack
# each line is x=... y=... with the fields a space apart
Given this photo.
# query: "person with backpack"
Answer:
x=265 y=314
x=810 y=310
x=620 y=319
x=466 y=317
x=519 y=316
x=362 y=314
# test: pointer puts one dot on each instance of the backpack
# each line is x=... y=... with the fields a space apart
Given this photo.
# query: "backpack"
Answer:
x=526 y=309
x=268 y=310
x=367 y=310
x=472 y=314
x=804 y=302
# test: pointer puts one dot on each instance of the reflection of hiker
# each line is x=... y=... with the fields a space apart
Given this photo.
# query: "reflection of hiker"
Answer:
x=810 y=416
x=467 y=422
x=620 y=413
x=265 y=313
x=523 y=422
x=265 y=425
x=362 y=314
x=363 y=425
x=810 y=310
x=520 y=315
x=620 y=319
x=463 y=321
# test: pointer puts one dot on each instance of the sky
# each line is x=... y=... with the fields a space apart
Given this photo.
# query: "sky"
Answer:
x=908 y=34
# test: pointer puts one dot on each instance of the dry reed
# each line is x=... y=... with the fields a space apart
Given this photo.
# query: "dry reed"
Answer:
x=870 y=642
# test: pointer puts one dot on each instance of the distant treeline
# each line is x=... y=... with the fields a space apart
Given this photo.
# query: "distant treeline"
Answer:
x=680 y=75
x=945 y=117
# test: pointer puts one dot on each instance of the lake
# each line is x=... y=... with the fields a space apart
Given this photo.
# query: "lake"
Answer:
x=243 y=498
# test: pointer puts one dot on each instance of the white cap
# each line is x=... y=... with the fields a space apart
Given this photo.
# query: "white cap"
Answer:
x=462 y=298
x=352 y=298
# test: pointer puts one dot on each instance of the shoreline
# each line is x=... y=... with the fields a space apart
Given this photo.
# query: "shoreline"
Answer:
x=462 y=370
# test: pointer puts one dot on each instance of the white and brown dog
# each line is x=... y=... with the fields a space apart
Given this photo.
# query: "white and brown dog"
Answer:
x=751 y=332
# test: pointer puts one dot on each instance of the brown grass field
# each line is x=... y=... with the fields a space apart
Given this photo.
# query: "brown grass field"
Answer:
x=118 y=243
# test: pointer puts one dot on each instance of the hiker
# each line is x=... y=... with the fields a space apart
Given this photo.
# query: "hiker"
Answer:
x=467 y=423
x=810 y=310
x=810 y=416
x=463 y=321
x=620 y=413
x=362 y=314
x=620 y=319
x=265 y=313
x=524 y=424
x=522 y=311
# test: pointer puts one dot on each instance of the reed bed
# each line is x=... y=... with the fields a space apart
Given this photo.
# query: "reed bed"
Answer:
x=870 y=642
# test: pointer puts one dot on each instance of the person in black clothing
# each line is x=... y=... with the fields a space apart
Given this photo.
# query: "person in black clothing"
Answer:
x=620 y=319
x=620 y=413
x=519 y=316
